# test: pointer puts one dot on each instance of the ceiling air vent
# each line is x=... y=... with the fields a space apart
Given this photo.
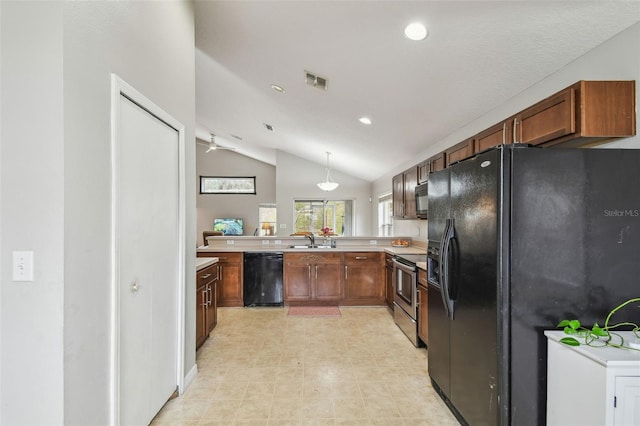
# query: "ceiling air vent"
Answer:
x=316 y=81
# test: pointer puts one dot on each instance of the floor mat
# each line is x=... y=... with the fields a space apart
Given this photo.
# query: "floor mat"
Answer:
x=314 y=311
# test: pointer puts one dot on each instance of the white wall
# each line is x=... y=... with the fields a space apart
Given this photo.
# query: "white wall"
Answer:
x=298 y=178
x=229 y=163
x=32 y=213
x=56 y=63
x=616 y=59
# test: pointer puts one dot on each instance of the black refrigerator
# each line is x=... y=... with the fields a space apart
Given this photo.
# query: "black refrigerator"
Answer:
x=519 y=238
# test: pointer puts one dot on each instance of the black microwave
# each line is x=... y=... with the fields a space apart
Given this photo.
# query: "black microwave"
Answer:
x=422 y=195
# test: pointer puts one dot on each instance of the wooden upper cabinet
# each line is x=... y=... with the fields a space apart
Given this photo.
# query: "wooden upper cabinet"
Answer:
x=547 y=120
x=397 y=188
x=403 y=187
x=499 y=134
x=459 y=151
x=437 y=162
x=423 y=171
x=586 y=112
x=410 y=182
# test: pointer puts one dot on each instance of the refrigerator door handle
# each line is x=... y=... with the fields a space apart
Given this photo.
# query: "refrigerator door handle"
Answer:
x=443 y=267
x=449 y=234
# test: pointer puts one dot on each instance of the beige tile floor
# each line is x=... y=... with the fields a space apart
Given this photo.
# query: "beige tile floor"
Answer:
x=262 y=367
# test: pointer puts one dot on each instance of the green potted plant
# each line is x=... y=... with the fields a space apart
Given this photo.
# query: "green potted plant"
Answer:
x=601 y=336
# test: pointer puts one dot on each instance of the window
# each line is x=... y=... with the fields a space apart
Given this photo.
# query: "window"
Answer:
x=267 y=218
x=227 y=185
x=314 y=215
x=385 y=211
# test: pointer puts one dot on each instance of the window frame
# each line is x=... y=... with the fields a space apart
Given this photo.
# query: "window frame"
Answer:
x=229 y=180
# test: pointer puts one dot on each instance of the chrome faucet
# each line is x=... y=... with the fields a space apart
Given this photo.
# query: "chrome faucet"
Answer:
x=311 y=237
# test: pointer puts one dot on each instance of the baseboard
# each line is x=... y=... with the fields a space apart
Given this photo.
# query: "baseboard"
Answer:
x=190 y=376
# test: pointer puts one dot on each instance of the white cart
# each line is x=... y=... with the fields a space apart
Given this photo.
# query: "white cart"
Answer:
x=592 y=386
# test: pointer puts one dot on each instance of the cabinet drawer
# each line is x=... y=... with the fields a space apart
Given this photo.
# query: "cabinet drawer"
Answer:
x=361 y=257
x=207 y=275
x=227 y=257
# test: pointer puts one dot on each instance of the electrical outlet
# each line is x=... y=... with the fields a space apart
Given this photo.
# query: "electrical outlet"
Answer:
x=265 y=242
x=278 y=242
x=373 y=242
x=22 y=266
x=231 y=242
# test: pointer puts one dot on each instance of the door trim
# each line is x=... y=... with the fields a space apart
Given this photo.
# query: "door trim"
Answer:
x=121 y=88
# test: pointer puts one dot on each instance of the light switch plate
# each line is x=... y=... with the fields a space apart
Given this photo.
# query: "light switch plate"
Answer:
x=22 y=266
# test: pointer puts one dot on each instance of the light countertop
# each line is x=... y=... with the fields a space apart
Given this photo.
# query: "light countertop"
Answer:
x=347 y=248
x=203 y=262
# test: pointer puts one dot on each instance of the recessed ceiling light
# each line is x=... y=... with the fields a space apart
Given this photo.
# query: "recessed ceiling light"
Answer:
x=269 y=127
x=365 y=120
x=415 y=31
x=277 y=88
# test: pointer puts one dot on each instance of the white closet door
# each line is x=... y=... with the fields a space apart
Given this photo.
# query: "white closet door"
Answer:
x=148 y=246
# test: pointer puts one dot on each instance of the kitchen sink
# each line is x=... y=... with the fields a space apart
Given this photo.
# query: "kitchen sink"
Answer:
x=311 y=246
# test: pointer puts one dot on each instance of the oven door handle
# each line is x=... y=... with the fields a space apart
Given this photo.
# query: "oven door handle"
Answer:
x=445 y=265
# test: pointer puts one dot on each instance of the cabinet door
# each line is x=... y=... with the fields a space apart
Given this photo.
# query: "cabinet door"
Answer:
x=328 y=282
x=549 y=119
x=229 y=287
x=423 y=314
x=230 y=284
x=211 y=311
x=363 y=278
x=201 y=322
x=397 y=187
x=423 y=171
x=500 y=134
x=389 y=280
x=627 y=395
x=438 y=162
x=297 y=282
x=410 y=182
x=459 y=151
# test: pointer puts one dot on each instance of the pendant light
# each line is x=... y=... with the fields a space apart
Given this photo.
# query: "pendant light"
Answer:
x=328 y=184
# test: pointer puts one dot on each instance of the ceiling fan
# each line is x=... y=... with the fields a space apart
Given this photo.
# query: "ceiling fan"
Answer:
x=213 y=146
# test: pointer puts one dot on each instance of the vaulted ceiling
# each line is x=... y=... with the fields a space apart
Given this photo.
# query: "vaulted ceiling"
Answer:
x=477 y=55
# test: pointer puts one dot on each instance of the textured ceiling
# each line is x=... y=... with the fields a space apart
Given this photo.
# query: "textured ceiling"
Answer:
x=478 y=55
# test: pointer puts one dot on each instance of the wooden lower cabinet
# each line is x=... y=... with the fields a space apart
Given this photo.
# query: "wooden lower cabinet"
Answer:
x=423 y=313
x=388 y=280
x=206 y=306
x=363 y=275
x=230 y=286
x=313 y=277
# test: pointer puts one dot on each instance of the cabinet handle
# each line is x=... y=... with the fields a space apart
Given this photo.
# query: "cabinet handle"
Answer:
x=309 y=270
x=515 y=125
x=361 y=257
x=346 y=272
x=316 y=272
x=209 y=295
x=222 y=258
x=504 y=132
x=220 y=271
x=205 y=276
x=204 y=298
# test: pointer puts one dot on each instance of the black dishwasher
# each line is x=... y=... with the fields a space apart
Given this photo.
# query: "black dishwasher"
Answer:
x=263 y=279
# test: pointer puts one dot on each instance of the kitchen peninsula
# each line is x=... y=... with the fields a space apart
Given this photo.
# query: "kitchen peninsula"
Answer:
x=349 y=272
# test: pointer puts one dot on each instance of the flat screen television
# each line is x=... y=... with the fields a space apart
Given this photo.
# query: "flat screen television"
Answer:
x=228 y=226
